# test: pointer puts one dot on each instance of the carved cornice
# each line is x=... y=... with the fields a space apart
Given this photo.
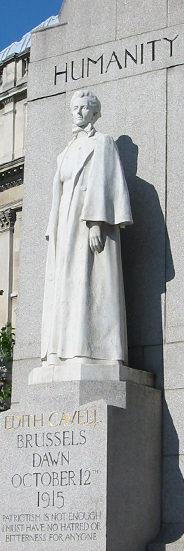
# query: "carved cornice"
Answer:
x=15 y=93
x=7 y=219
x=11 y=174
x=7 y=100
x=11 y=183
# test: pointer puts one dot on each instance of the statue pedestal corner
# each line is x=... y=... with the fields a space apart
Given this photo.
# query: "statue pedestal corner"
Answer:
x=89 y=372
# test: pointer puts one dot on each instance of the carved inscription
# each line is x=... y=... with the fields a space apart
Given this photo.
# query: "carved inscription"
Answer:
x=122 y=59
x=64 y=527
x=54 y=470
x=108 y=62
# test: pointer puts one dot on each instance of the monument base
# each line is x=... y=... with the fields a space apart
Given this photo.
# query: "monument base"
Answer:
x=89 y=372
x=81 y=466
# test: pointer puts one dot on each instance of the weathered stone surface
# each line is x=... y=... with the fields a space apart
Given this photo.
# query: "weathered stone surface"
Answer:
x=138 y=18
x=175 y=12
x=70 y=447
x=175 y=198
x=173 y=414
x=88 y=25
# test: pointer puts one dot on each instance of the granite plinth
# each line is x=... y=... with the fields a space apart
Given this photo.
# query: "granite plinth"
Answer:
x=69 y=470
x=89 y=372
x=141 y=90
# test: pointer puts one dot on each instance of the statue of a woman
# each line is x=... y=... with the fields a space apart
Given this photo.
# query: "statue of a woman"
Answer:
x=84 y=317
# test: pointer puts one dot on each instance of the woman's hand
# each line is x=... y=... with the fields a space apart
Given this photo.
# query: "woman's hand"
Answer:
x=95 y=237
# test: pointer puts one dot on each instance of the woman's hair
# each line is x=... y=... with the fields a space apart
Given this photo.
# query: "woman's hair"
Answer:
x=93 y=102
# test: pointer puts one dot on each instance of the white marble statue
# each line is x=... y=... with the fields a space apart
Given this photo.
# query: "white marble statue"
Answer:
x=84 y=317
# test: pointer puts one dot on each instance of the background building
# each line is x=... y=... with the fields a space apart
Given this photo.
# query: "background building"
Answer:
x=14 y=66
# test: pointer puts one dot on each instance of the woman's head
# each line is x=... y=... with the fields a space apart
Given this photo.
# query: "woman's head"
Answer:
x=85 y=107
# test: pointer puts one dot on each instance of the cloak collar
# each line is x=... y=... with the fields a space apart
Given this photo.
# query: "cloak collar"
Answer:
x=89 y=130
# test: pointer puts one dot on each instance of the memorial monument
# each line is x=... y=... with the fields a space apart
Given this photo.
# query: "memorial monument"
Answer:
x=81 y=445
x=84 y=318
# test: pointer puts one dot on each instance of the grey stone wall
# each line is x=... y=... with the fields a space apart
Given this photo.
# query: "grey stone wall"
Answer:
x=138 y=76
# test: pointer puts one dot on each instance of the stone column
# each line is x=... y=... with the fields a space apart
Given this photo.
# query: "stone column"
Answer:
x=7 y=220
x=9 y=120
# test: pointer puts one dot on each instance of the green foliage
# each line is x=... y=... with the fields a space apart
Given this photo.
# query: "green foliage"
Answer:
x=7 y=341
x=5 y=394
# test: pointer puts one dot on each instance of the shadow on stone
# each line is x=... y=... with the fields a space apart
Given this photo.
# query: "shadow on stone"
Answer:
x=147 y=265
x=134 y=474
x=143 y=257
x=172 y=528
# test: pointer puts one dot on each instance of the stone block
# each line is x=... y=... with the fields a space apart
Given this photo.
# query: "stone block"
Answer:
x=74 y=393
x=173 y=415
x=140 y=17
x=74 y=372
x=68 y=471
x=175 y=198
x=89 y=372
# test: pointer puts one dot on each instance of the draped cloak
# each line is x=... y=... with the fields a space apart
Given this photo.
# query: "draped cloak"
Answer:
x=84 y=307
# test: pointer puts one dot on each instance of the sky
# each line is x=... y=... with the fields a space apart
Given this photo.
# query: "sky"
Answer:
x=17 y=17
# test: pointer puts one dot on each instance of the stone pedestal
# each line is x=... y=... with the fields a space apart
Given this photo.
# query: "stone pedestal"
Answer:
x=134 y=63
x=89 y=372
x=81 y=467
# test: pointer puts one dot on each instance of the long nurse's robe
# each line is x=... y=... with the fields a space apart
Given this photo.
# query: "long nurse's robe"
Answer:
x=84 y=307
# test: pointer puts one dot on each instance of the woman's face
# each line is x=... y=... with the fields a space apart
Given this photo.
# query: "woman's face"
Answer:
x=82 y=112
